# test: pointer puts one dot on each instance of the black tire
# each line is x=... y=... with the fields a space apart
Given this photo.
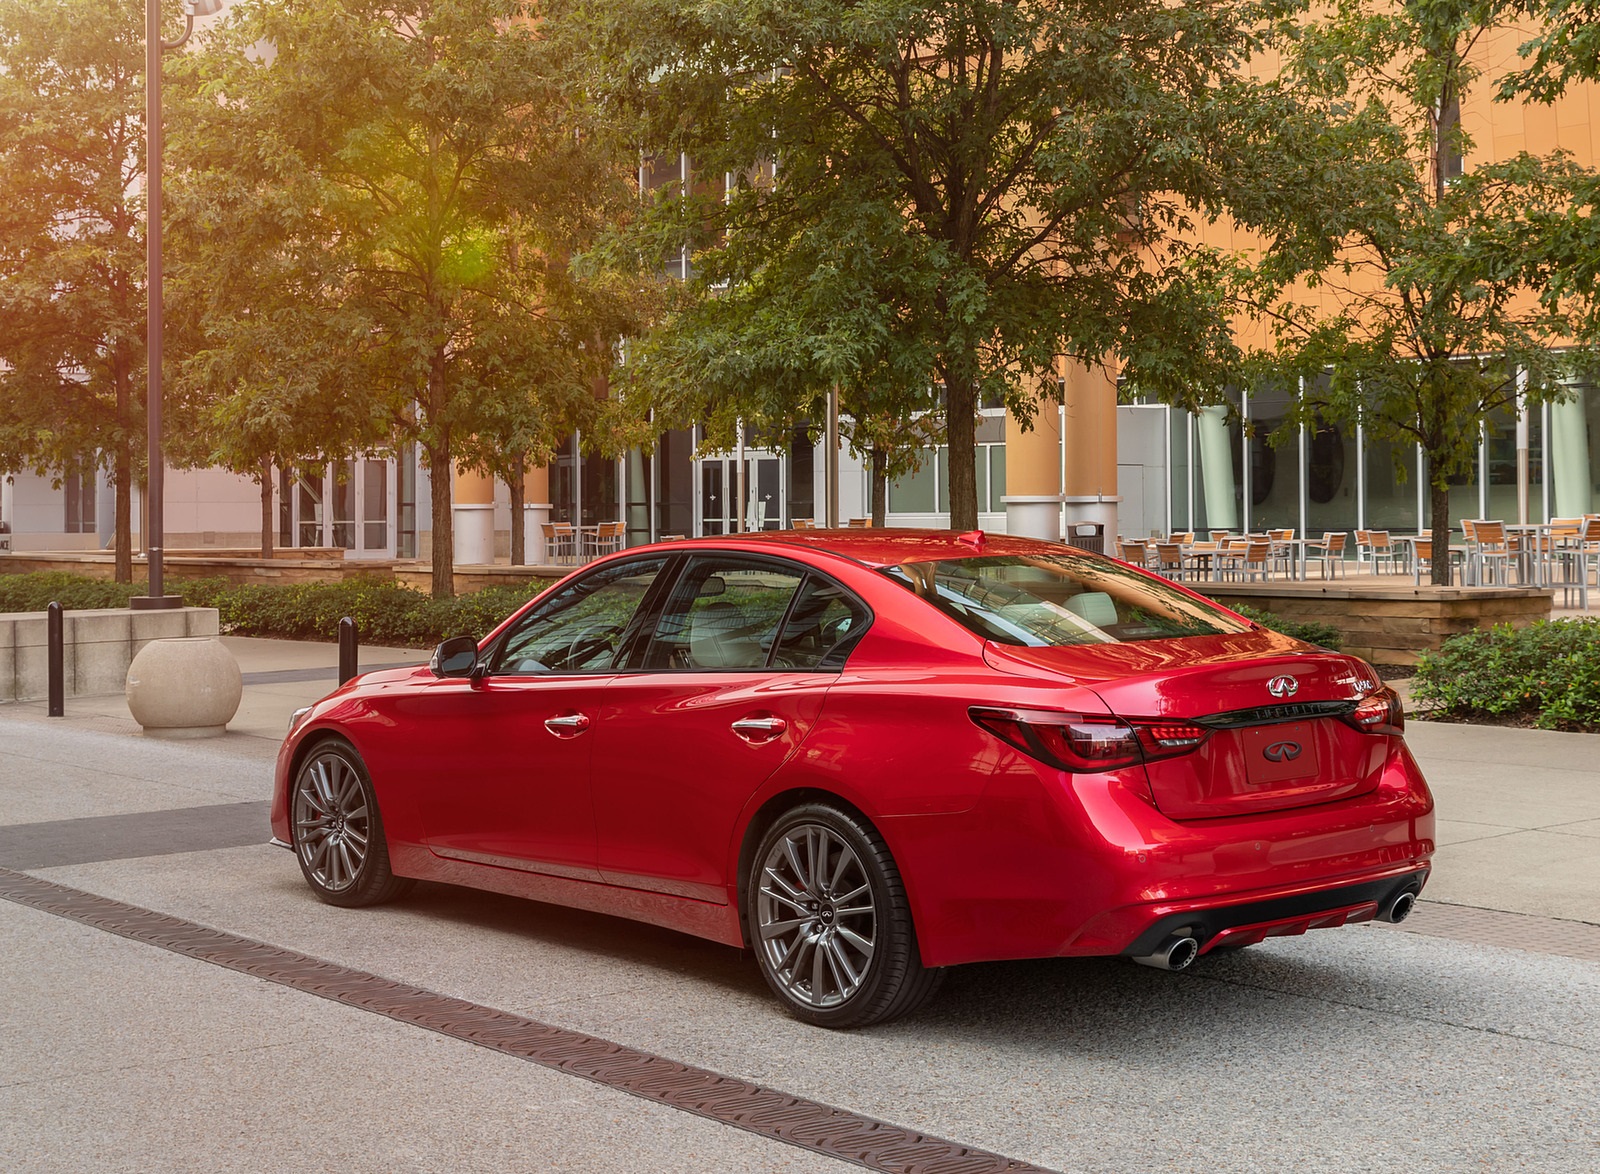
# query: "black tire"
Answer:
x=830 y=923
x=338 y=831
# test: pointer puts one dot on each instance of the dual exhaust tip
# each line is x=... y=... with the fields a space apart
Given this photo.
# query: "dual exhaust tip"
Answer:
x=1176 y=953
x=1398 y=909
x=1180 y=950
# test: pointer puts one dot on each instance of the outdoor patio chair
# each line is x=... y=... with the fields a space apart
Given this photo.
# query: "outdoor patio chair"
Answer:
x=1488 y=552
x=1329 y=552
x=560 y=542
x=604 y=539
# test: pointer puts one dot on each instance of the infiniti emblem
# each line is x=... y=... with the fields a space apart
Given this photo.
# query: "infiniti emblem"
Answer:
x=1282 y=752
x=1284 y=686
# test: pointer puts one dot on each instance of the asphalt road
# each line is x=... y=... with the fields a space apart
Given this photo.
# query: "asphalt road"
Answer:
x=1365 y=1048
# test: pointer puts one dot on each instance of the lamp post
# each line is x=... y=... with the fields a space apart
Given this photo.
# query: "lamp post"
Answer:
x=155 y=502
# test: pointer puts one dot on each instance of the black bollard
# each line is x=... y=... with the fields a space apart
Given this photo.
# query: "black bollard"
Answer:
x=55 y=645
x=348 y=647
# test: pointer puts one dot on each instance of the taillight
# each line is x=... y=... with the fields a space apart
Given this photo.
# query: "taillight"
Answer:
x=1379 y=713
x=1088 y=742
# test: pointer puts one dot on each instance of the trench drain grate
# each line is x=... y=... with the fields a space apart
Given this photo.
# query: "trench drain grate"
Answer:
x=811 y=1125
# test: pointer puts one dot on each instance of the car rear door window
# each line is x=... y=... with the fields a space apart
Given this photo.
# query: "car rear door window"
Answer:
x=822 y=627
x=724 y=613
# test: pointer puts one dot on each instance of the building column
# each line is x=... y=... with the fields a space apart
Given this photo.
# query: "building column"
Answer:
x=472 y=509
x=1569 y=453
x=1033 y=475
x=1216 y=468
x=535 y=513
x=1089 y=474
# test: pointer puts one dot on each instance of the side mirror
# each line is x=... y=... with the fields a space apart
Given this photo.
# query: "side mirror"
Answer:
x=456 y=657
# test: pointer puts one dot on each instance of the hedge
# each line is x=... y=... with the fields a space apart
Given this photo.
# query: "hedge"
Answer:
x=385 y=612
x=1546 y=675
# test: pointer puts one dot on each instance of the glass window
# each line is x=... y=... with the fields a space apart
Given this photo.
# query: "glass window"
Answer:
x=1062 y=599
x=581 y=629
x=824 y=625
x=913 y=493
x=723 y=614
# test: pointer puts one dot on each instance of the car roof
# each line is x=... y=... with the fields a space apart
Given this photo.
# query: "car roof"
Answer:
x=878 y=547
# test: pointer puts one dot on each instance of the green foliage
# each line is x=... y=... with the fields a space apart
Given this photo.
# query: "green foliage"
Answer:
x=379 y=214
x=385 y=612
x=1547 y=674
x=72 y=266
x=957 y=192
x=1311 y=631
x=1432 y=294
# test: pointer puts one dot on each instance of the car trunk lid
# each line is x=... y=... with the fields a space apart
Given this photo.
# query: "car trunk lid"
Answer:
x=1277 y=716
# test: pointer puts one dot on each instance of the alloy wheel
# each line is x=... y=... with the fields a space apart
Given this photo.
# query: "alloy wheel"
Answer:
x=332 y=824
x=817 y=918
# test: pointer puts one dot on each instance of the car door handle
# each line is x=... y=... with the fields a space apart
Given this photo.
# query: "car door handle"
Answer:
x=568 y=725
x=759 y=729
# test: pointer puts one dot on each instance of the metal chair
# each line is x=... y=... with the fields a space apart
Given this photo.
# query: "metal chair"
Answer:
x=560 y=542
x=1488 y=552
x=605 y=538
x=1135 y=554
x=1329 y=552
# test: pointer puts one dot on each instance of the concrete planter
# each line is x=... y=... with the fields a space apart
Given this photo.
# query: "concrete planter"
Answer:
x=184 y=688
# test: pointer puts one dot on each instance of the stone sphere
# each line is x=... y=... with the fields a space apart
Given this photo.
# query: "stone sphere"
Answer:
x=187 y=687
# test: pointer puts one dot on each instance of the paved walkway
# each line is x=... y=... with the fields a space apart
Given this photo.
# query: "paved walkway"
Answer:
x=447 y=1032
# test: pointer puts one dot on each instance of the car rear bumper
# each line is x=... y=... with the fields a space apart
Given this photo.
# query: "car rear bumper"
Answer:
x=1247 y=922
x=1084 y=865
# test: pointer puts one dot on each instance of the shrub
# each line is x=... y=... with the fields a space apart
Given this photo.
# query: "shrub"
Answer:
x=1547 y=674
x=1312 y=632
x=385 y=612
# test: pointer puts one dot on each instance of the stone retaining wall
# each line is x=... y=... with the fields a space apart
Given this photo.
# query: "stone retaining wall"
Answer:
x=98 y=647
x=1390 y=625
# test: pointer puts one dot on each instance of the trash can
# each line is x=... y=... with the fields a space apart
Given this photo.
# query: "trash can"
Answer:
x=1090 y=536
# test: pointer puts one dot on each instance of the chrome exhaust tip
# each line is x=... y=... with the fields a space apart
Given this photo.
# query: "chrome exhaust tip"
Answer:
x=1176 y=953
x=1400 y=908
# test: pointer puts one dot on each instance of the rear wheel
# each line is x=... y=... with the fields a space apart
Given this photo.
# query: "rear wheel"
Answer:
x=338 y=832
x=830 y=923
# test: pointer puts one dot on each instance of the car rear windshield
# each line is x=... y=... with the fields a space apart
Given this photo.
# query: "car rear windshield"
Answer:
x=1054 y=600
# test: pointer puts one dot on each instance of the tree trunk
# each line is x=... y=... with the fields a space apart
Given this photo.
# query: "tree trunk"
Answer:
x=441 y=473
x=961 y=432
x=444 y=543
x=266 y=507
x=519 y=537
x=122 y=494
x=1439 y=495
x=122 y=481
x=880 y=487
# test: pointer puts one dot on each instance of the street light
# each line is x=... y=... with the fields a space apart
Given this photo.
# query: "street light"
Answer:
x=154 y=477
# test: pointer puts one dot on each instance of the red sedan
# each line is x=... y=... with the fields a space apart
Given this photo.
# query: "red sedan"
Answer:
x=871 y=755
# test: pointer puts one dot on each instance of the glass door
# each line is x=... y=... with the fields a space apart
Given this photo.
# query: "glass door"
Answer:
x=350 y=507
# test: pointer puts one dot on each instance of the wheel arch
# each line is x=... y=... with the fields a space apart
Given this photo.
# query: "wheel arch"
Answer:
x=767 y=814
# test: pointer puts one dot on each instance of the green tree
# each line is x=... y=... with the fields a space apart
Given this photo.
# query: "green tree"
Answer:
x=1443 y=304
x=1007 y=182
x=427 y=180
x=72 y=267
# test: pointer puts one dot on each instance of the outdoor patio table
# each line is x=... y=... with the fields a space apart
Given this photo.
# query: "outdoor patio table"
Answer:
x=1534 y=553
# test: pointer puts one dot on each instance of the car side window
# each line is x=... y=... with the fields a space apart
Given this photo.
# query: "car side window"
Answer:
x=723 y=614
x=823 y=626
x=581 y=629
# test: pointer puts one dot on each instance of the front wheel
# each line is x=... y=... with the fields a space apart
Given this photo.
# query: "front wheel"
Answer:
x=830 y=922
x=338 y=832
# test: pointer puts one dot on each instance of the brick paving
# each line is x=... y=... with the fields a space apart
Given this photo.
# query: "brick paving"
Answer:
x=1511 y=931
